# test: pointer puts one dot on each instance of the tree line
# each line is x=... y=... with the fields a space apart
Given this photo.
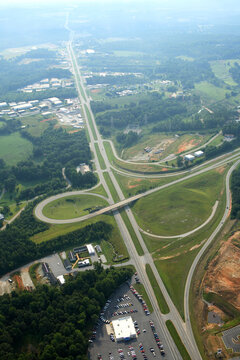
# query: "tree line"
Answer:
x=235 y=188
x=52 y=151
x=17 y=248
x=56 y=322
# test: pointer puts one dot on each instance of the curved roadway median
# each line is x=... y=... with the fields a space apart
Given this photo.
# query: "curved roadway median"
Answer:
x=214 y=209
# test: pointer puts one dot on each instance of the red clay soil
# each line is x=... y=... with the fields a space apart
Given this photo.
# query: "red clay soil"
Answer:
x=19 y=282
x=223 y=275
x=188 y=145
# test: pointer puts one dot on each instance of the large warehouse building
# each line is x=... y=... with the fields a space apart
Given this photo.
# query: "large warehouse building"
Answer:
x=124 y=329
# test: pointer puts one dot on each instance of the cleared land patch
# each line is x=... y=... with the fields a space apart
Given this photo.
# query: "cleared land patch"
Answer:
x=73 y=206
x=181 y=208
x=14 y=148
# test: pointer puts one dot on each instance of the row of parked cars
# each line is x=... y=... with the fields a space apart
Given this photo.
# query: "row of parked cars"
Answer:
x=139 y=297
x=159 y=344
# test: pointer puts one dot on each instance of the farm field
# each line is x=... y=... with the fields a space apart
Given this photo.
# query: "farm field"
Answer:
x=73 y=206
x=14 y=148
x=158 y=212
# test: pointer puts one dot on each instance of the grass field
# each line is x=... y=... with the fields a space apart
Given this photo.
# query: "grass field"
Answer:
x=132 y=185
x=71 y=207
x=221 y=70
x=115 y=242
x=36 y=124
x=177 y=340
x=163 y=213
x=157 y=291
x=14 y=148
x=211 y=92
x=98 y=190
x=111 y=187
x=100 y=158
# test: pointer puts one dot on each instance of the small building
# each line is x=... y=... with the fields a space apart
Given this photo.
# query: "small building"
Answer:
x=198 y=153
x=80 y=249
x=67 y=264
x=1 y=217
x=45 y=269
x=90 y=249
x=52 y=279
x=124 y=329
x=189 y=157
x=61 y=279
x=83 y=263
x=72 y=257
x=98 y=248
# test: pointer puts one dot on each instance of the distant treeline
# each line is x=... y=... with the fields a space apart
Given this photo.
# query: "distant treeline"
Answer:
x=15 y=73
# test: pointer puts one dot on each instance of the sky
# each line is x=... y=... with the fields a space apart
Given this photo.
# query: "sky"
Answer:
x=167 y=3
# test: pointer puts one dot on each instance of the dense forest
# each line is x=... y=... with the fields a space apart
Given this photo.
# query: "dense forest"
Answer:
x=56 y=322
x=52 y=151
x=17 y=249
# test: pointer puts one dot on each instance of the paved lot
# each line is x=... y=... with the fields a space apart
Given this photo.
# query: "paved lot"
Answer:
x=104 y=346
x=231 y=338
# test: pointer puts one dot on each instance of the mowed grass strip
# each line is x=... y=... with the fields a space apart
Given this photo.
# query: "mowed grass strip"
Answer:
x=70 y=207
x=100 y=158
x=14 y=148
x=111 y=187
x=157 y=291
x=90 y=122
x=132 y=233
x=179 y=208
x=177 y=340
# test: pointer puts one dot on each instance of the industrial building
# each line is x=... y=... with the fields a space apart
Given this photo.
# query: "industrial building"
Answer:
x=124 y=329
x=198 y=153
x=189 y=157
x=67 y=264
x=90 y=249
x=83 y=263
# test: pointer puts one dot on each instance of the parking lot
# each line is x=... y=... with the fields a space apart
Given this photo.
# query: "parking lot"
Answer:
x=147 y=345
x=231 y=338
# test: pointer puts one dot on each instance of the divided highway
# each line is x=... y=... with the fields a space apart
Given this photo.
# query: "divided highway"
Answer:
x=184 y=329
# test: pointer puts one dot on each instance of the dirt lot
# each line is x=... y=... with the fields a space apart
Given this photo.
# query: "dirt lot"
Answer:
x=187 y=145
x=223 y=276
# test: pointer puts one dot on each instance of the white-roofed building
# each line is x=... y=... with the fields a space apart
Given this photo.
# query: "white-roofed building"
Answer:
x=61 y=279
x=198 y=153
x=189 y=157
x=124 y=329
x=90 y=249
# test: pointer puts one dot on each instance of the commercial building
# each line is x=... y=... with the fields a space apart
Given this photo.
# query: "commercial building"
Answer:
x=67 y=264
x=83 y=263
x=124 y=329
x=189 y=157
x=198 y=153
x=90 y=249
